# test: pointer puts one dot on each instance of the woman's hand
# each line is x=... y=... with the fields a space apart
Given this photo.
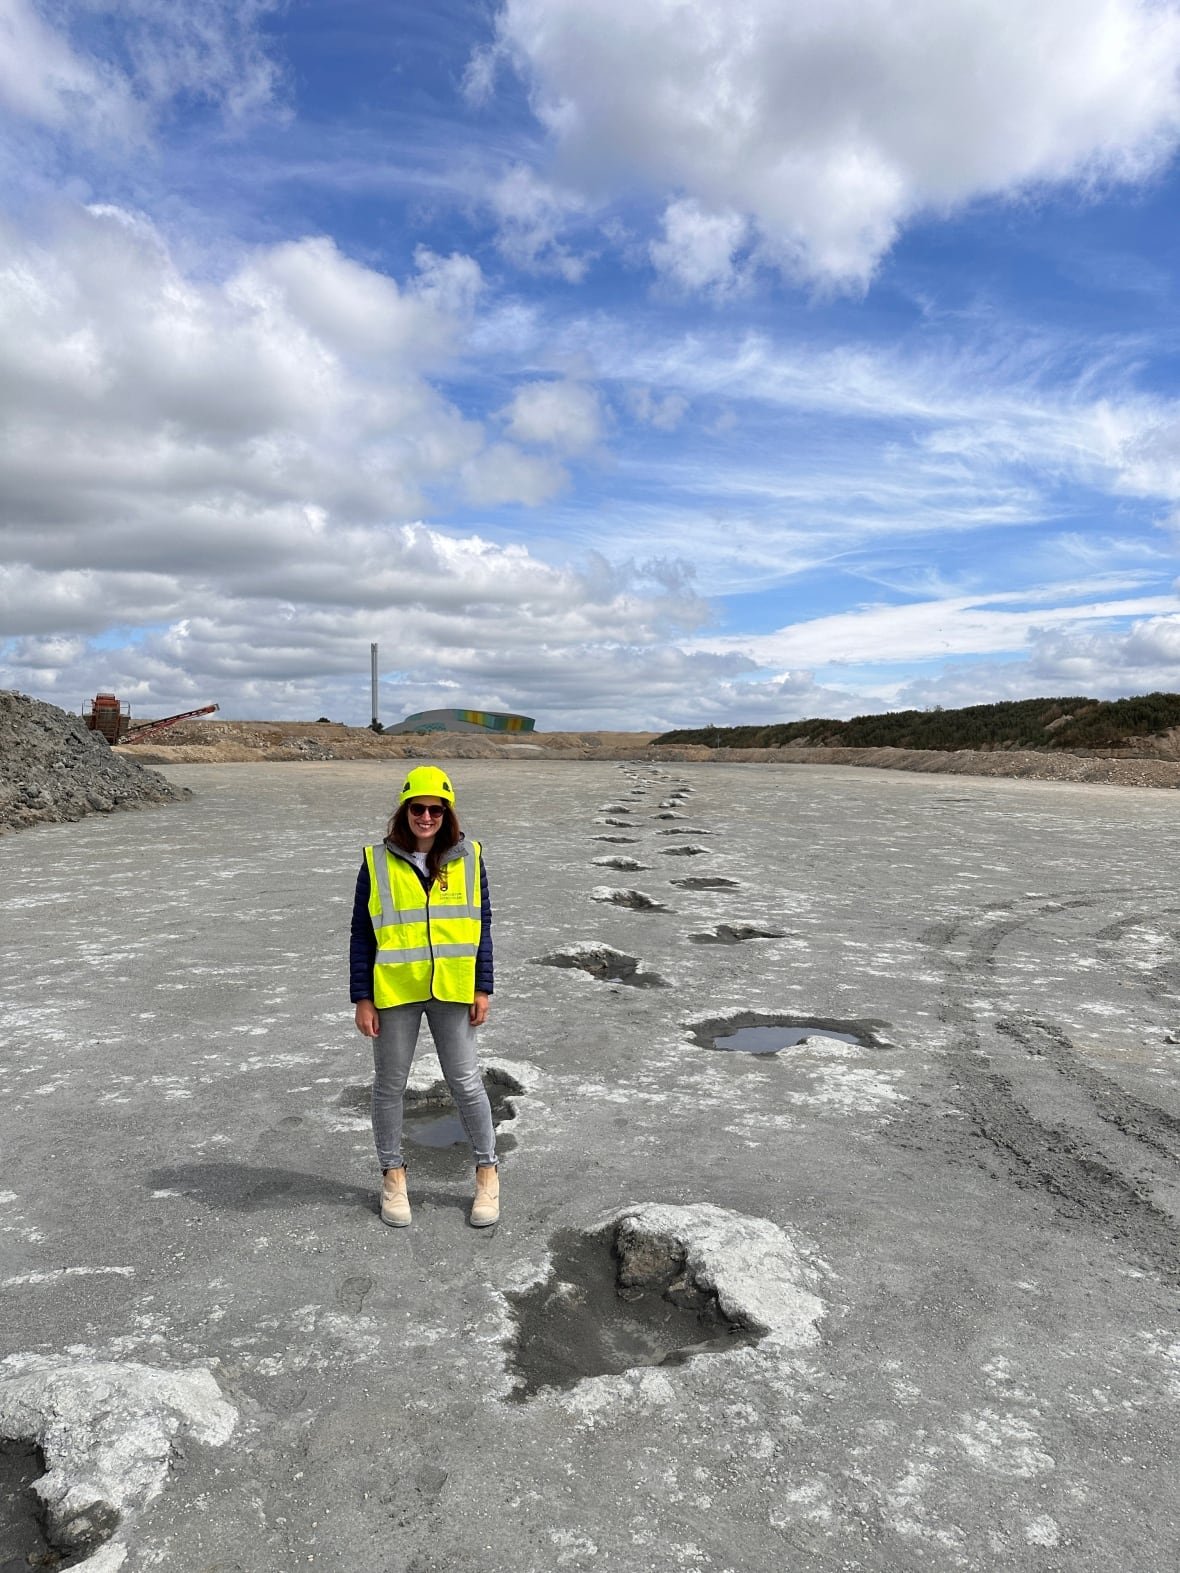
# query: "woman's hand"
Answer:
x=478 y=1013
x=368 y=1023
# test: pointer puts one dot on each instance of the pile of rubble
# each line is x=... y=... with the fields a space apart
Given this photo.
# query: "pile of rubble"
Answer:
x=53 y=769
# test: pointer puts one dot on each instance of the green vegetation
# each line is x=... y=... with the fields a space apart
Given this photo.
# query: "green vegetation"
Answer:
x=1062 y=724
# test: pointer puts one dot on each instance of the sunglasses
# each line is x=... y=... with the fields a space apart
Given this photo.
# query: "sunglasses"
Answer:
x=427 y=810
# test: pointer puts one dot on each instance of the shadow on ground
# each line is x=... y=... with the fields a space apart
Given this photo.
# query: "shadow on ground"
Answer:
x=249 y=1189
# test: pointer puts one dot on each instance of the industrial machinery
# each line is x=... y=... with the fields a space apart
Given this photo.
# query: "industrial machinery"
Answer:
x=112 y=717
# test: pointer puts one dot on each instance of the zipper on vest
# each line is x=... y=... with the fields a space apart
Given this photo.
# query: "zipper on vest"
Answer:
x=430 y=938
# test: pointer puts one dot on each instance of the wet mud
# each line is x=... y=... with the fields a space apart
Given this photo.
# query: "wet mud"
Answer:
x=599 y=1314
x=1041 y=1118
x=22 y=1537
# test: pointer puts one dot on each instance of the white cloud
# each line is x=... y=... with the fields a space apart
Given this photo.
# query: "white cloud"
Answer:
x=203 y=49
x=501 y=473
x=1099 y=663
x=930 y=630
x=830 y=126
x=457 y=618
x=665 y=413
x=44 y=80
x=565 y=416
x=699 y=249
x=531 y=215
x=165 y=408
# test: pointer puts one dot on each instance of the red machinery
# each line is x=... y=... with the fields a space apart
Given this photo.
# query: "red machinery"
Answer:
x=112 y=717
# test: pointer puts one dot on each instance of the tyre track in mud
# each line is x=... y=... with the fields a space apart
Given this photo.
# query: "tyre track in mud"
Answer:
x=1126 y=1202
x=1163 y=982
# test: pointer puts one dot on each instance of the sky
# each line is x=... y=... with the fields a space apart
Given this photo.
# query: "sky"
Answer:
x=632 y=366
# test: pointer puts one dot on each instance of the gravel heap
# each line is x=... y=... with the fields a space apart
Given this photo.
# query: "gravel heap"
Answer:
x=52 y=769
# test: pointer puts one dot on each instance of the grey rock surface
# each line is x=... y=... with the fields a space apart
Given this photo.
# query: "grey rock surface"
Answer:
x=968 y=1228
x=53 y=769
x=107 y=1431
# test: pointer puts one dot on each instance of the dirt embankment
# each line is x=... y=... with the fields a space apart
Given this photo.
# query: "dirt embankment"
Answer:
x=52 y=769
x=224 y=742
x=1025 y=765
x=230 y=742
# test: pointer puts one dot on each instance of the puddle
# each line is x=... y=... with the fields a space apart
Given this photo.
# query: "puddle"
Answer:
x=750 y=1033
x=446 y=1130
x=706 y=882
x=430 y=1118
x=734 y=934
x=769 y=1040
x=600 y=1314
x=637 y=900
x=601 y=961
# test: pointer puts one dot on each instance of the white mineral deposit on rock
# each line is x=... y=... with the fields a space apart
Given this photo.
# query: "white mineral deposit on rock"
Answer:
x=106 y=1430
x=761 y=1279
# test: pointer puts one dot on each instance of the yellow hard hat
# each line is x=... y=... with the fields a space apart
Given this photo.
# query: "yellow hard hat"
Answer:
x=427 y=781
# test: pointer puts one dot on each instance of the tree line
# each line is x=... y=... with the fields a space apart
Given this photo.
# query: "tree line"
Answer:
x=1069 y=724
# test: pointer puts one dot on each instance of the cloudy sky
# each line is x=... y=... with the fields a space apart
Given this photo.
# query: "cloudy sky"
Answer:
x=631 y=365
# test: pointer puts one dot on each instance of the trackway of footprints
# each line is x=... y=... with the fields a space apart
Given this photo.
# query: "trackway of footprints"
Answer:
x=634 y=1294
x=632 y=811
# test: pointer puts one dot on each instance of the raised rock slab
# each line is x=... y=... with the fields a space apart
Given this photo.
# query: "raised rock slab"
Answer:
x=106 y=1430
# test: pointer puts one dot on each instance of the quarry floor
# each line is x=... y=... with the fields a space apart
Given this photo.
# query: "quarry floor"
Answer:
x=975 y=1212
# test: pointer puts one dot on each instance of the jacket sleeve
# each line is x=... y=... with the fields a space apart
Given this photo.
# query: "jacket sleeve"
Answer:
x=485 y=981
x=362 y=948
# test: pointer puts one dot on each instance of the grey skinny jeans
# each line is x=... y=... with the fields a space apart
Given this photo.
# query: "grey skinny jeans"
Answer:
x=393 y=1054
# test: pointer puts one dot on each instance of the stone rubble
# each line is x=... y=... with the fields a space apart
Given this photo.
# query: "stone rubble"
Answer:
x=54 y=770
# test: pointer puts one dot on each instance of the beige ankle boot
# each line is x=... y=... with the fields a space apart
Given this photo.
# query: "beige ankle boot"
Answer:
x=486 y=1207
x=395 y=1203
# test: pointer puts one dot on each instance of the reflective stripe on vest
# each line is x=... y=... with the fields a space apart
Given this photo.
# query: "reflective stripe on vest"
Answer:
x=424 y=951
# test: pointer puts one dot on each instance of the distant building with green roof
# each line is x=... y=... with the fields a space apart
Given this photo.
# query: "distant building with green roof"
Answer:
x=464 y=721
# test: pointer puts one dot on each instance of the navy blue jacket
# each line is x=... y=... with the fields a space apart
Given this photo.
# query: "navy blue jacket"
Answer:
x=362 y=950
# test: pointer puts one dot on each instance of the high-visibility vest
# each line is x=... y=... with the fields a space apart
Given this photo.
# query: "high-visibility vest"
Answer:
x=426 y=940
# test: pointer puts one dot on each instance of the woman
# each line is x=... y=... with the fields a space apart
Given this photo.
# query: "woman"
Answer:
x=422 y=946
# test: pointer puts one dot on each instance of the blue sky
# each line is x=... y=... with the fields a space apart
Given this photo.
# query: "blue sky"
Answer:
x=629 y=366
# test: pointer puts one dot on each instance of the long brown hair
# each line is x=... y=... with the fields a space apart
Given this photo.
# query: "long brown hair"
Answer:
x=398 y=831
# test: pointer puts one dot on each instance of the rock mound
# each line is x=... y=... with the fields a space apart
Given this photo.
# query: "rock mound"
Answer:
x=53 y=769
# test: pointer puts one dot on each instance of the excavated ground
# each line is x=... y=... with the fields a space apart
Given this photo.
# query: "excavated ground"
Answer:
x=223 y=742
x=53 y=770
x=896 y=1304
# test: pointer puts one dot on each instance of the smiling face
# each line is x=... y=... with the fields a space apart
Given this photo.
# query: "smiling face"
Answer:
x=426 y=817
